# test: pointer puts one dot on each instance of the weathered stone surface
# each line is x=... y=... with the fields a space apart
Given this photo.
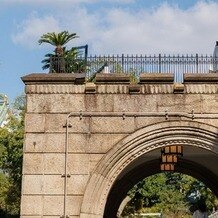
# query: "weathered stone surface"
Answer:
x=53 y=185
x=78 y=143
x=90 y=88
x=54 y=78
x=30 y=216
x=45 y=142
x=111 y=132
x=135 y=103
x=79 y=164
x=35 y=123
x=156 y=78
x=54 y=163
x=76 y=184
x=53 y=205
x=101 y=143
x=74 y=205
x=112 y=78
x=178 y=88
x=201 y=78
x=134 y=88
x=94 y=160
x=32 y=205
x=33 y=184
x=33 y=163
x=55 y=103
x=56 y=122
x=121 y=125
x=54 y=89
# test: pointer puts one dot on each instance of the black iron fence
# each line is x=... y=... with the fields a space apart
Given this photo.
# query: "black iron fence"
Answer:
x=177 y=65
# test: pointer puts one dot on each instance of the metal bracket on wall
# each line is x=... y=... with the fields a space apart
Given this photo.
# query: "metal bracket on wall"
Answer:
x=166 y=115
x=193 y=115
x=63 y=175
x=80 y=115
x=69 y=125
x=124 y=115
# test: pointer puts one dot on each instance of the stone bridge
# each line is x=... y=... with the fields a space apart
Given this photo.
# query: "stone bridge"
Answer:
x=87 y=144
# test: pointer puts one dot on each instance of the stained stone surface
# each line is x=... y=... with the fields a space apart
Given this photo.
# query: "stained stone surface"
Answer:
x=104 y=118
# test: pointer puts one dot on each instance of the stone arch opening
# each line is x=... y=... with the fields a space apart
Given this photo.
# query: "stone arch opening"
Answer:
x=119 y=190
x=127 y=160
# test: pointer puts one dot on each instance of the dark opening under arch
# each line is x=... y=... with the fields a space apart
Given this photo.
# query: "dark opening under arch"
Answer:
x=123 y=185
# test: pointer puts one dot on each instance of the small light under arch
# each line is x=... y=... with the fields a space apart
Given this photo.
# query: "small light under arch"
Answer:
x=167 y=167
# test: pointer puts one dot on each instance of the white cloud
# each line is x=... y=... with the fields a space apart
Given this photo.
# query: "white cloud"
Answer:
x=120 y=1
x=52 y=2
x=30 y=30
x=166 y=29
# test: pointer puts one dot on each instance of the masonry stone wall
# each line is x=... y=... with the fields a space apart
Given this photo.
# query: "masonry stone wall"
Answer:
x=98 y=116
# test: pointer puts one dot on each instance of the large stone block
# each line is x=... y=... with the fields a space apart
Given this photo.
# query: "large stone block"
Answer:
x=145 y=121
x=33 y=184
x=94 y=160
x=78 y=164
x=112 y=124
x=78 y=143
x=56 y=123
x=101 y=143
x=98 y=102
x=74 y=205
x=135 y=103
x=76 y=184
x=208 y=101
x=34 y=123
x=32 y=205
x=45 y=142
x=55 y=103
x=34 y=142
x=54 y=163
x=54 y=205
x=55 y=142
x=53 y=185
x=33 y=163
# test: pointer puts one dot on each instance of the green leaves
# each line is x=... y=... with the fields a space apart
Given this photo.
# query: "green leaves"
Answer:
x=168 y=193
x=11 y=146
x=63 y=60
x=57 y=39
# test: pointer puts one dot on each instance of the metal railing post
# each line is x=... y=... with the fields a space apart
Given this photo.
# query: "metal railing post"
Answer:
x=159 y=63
x=122 y=62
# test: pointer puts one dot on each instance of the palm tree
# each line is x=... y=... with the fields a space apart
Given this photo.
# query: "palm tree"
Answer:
x=71 y=61
x=58 y=40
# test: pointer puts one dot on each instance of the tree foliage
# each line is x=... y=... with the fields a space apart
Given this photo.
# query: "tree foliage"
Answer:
x=63 y=60
x=11 y=145
x=57 y=39
x=174 y=194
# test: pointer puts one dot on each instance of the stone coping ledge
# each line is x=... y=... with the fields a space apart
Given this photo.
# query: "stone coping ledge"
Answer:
x=54 y=78
x=118 y=78
x=156 y=78
x=201 y=78
x=112 y=78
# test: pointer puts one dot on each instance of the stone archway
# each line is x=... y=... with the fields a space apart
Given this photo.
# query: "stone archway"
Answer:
x=116 y=162
x=120 y=188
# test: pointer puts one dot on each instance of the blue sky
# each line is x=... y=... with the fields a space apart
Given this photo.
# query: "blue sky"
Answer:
x=107 y=26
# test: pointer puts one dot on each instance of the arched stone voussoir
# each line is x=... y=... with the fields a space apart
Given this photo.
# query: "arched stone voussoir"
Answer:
x=137 y=144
